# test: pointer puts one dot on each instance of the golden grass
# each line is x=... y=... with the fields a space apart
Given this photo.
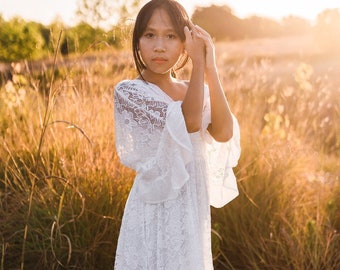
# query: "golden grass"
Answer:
x=63 y=190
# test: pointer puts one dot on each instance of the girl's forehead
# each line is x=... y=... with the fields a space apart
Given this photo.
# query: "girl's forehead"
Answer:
x=160 y=19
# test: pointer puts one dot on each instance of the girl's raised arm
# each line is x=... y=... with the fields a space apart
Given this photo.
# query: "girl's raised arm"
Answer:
x=221 y=127
x=193 y=102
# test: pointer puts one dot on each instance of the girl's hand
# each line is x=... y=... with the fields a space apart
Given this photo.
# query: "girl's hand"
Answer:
x=195 y=45
x=200 y=44
x=210 y=59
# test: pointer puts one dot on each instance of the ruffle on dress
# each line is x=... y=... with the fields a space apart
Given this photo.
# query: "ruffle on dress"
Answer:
x=161 y=178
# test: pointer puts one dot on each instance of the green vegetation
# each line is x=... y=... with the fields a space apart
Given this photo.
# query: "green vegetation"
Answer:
x=21 y=40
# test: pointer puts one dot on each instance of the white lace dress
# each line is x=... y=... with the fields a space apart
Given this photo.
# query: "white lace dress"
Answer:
x=166 y=222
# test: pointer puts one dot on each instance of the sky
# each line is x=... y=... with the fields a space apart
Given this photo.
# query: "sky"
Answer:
x=45 y=11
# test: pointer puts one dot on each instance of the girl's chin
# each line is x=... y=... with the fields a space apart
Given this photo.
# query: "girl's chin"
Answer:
x=157 y=71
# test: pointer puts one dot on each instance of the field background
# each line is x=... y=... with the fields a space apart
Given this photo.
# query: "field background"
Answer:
x=63 y=190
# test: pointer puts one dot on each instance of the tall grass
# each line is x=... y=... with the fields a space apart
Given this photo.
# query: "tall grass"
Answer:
x=287 y=215
x=63 y=189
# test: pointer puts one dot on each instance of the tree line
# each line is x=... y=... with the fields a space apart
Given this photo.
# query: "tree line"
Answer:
x=222 y=24
x=20 y=39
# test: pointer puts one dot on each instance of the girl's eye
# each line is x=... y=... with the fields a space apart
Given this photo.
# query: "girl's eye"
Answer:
x=171 y=36
x=149 y=35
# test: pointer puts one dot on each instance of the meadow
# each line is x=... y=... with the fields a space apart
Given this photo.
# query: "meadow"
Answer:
x=63 y=190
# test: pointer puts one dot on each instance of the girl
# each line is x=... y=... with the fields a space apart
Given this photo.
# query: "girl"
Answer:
x=181 y=139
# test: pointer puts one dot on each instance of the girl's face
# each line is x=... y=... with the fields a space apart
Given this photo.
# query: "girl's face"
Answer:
x=160 y=46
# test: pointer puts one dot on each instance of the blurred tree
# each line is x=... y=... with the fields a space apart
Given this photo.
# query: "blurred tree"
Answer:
x=83 y=37
x=20 y=40
x=79 y=38
x=101 y=12
x=293 y=25
x=94 y=12
x=327 y=30
x=56 y=28
x=114 y=16
x=128 y=11
x=219 y=21
x=45 y=34
x=256 y=27
x=222 y=24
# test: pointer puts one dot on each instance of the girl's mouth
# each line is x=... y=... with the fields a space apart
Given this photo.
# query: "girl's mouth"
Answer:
x=159 y=60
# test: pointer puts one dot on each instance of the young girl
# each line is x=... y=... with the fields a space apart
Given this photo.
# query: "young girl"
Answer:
x=181 y=139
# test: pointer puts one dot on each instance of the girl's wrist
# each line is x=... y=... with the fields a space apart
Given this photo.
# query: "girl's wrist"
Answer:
x=198 y=62
x=211 y=70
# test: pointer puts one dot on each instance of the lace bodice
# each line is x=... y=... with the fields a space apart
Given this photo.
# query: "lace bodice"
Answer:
x=151 y=138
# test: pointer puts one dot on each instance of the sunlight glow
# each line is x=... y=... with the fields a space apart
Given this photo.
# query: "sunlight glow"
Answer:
x=308 y=9
x=46 y=11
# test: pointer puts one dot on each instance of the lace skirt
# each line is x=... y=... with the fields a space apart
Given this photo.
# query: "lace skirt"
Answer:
x=172 y=235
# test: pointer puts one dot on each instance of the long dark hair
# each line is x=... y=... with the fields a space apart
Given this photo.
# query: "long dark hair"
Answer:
x=179 y=18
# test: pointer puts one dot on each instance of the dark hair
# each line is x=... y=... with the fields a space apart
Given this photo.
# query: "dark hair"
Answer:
x=179 y=19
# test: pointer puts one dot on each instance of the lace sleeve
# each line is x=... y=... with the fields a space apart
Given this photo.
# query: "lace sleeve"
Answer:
x=151 y=137
x=136 y=117
x=221 y=158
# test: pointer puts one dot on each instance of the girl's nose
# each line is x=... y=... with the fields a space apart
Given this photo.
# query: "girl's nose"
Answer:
x=159 y=46
x=158 y=49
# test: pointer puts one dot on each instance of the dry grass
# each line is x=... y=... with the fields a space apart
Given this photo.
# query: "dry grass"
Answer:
x=62 y=189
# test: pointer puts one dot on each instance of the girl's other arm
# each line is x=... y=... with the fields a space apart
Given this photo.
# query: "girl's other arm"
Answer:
x=221 y=126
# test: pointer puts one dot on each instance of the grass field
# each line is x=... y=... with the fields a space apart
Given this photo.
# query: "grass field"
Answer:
x=63 y=190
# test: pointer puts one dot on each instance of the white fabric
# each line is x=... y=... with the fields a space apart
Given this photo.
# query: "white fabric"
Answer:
x=166 y=222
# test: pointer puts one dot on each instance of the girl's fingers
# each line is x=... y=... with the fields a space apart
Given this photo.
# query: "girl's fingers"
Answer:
x=187 y=32
x=203 y=32
x=197 y=31
x=194 y=30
